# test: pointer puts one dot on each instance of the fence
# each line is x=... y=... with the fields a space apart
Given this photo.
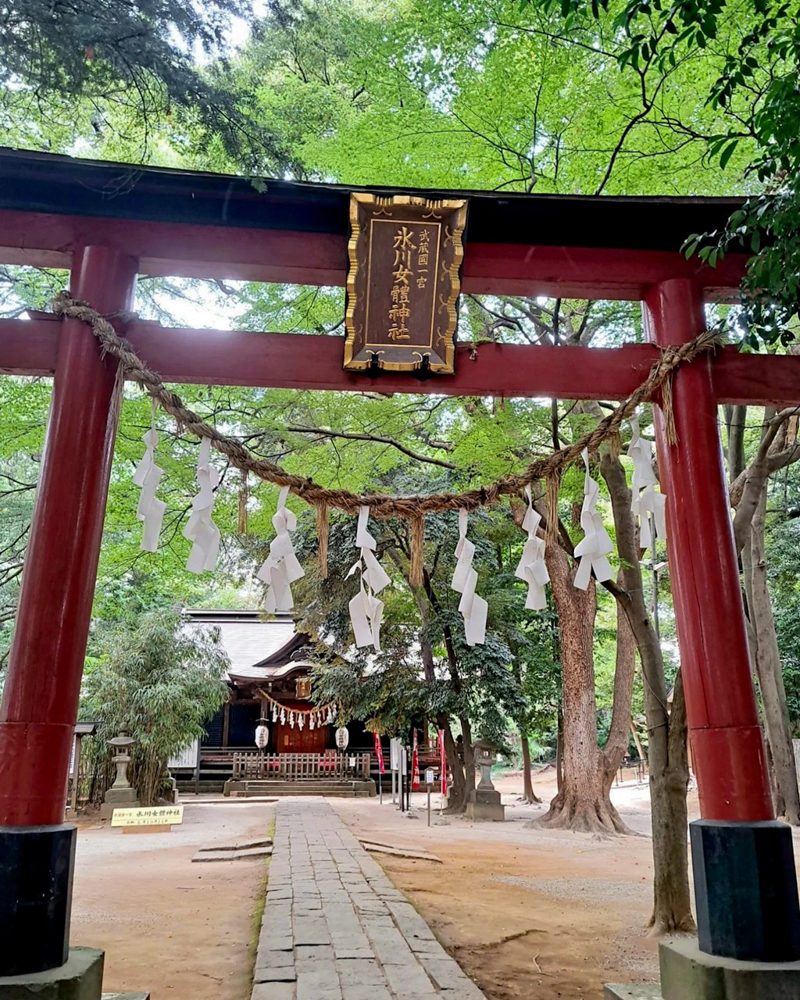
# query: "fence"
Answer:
x=255 y=766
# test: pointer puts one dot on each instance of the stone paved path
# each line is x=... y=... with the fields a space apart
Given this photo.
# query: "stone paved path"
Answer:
x=335 y=928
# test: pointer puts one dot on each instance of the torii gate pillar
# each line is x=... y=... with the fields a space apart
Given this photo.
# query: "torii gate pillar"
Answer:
x=40 y=698
x=745 y=883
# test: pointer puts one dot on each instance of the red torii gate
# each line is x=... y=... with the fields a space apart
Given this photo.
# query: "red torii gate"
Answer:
x=108 y=223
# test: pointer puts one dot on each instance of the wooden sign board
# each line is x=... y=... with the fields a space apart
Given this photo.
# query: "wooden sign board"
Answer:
x=147 y=819
x=403 y=282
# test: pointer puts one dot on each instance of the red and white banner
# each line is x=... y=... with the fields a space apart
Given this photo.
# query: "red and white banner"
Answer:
x=442 y=762
x=379 y=753
x=415 y=782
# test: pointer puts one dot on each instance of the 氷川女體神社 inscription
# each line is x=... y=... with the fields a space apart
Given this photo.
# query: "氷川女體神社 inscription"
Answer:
x=403 y=282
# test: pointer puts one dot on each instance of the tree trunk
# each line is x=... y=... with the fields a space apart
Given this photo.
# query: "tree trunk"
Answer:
x=778 y=448
x=735 y=423
x=672 y=910
x=528 y=794
x=560 y=751
x=457 y=792
x=580 y=804
x=667 y=752
x=469 y=758
x=770 y=675
x=624 y=672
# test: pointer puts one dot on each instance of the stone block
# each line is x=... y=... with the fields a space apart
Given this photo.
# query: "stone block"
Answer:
x=272 y=942
x=274 y=959
x=273 y=991
x=125 y=996
x=628 y=991
x=366 y=993
x=265 y=974
x=321 y=984
x=484 y=806
x=359 y=972
x=466 y=991
x=690 y=974
x=409 y=978
x=315 y=953
x=444 y=972
x=80 y=978
x=311 y=932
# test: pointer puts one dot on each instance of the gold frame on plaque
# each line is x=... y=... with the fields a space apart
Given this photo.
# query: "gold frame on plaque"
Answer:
x=438 y=354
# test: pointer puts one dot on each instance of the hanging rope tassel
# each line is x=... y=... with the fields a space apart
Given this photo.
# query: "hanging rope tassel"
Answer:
x=615 y=444
x=322 y=539
x=667 y=410
x=416 y=575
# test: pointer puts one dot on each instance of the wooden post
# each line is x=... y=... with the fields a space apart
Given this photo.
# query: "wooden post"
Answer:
x=226 y=724
x=727 y=742
x=744 y=874
x=40 y=699
x=76 y=768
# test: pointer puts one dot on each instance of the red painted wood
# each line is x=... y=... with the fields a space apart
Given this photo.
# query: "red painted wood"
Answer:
x=588 y=272
x=29 y=347
x=223 y=357
x=727 y=743
x=183 y=250
x=40 y=698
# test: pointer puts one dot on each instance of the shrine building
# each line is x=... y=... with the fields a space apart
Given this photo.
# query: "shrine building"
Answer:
x=270 y=678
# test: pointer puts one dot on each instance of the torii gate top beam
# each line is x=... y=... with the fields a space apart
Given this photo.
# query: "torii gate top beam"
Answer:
x=187 y=223
x=193 y=224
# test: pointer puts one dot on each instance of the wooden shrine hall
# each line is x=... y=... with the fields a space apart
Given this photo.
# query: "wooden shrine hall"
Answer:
x=107 y=223
x=269 y=659
x=270 y=678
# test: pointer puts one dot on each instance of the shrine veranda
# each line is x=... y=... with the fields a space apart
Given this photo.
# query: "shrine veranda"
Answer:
x=107 y=223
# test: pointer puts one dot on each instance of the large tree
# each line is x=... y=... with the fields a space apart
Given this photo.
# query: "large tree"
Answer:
x=129 y=65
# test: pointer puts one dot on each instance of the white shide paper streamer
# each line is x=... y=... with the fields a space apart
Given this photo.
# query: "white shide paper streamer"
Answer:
x=147 y=476
x=366 y=611
x=201 y=529
x=531 y=567
x=595 y=546
x=645 y=500
x=472 y=606
x=281 y=567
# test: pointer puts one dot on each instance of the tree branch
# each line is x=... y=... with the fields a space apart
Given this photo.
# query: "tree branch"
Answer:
x=352 y=436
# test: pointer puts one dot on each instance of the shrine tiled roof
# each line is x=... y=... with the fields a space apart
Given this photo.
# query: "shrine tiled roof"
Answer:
x=258 y=649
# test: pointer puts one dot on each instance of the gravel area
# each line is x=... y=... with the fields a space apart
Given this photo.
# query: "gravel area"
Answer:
x=594 y=890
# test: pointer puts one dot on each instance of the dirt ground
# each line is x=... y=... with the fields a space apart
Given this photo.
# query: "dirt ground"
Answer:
x=181 y=930
x=528 y=913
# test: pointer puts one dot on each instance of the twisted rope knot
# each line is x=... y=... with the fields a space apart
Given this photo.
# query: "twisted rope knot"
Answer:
x=409 y=507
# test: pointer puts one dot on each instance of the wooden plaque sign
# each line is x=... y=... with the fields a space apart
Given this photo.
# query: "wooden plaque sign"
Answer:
x=403 y=283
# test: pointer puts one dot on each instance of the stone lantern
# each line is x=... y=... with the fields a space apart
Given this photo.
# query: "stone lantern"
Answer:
x=484 y=802
x=121 y=795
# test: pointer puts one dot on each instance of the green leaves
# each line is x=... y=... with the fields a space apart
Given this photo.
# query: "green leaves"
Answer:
x=160 y=679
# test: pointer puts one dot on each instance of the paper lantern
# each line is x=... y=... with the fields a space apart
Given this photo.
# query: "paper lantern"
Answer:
x=342 y=737
x=262 y=735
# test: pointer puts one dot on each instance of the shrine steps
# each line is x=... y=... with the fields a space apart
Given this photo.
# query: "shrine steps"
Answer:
x=310 y=786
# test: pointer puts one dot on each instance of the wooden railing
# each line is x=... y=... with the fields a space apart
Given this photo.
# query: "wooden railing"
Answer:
x=253 y=765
